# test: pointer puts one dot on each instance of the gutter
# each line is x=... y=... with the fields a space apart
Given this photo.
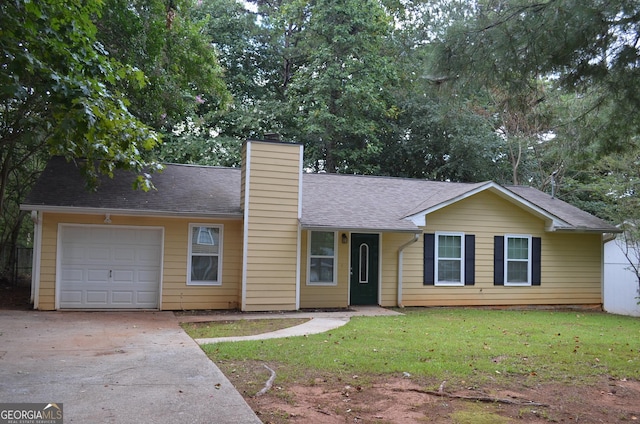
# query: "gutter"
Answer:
x=586 y=230
x=361 y=229
x=416 y=237
x=130 y=212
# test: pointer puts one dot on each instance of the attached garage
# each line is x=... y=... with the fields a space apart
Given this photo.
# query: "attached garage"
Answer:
x=109 y=267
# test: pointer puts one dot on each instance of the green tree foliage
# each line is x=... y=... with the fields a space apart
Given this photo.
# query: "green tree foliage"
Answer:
x=59 y=89
x=609 y=187
x=67 y=88
x=250 y=72
x=441 y=131
x=58 y=95
x=588 y=48
x=339 y=94
x=436 y=140
x=562 y=85
x=164 y=40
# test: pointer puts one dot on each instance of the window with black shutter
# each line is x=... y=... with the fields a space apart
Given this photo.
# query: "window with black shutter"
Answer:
x=449 y=259
x=517 y=260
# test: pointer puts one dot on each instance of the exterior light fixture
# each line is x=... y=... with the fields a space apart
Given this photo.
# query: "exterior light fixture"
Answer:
x=345 y=239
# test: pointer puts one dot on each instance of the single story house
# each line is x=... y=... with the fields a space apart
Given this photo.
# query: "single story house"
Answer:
x=268 y=236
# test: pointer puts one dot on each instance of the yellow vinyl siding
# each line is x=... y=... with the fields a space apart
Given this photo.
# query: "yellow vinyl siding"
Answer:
x=391 y=242
x=272 y=187
x=48 y=264
x=175 y=294
x=325 y=296
x=571 y=262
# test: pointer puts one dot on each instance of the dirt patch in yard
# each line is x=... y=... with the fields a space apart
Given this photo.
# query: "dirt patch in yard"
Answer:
x=403 y=399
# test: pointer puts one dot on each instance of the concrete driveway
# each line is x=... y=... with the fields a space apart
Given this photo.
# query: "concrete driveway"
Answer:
x=114 y=367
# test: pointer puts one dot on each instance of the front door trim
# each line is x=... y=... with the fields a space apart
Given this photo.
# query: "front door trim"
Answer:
x=354 y=274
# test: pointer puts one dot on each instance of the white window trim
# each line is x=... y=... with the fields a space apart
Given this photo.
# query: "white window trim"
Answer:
x=506 y=259
x=334 y=257
x=366 y=265
x=218 y=281
x=437 y=258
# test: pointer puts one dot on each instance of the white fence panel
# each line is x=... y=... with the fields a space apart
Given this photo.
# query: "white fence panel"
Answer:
x=620 y=282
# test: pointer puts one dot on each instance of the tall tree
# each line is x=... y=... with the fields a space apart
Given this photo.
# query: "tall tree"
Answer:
x=164 y=39
x=339 y=94
x=586 y=47
x=58 y=95
x=59 y=88
x=63 y=92
x=244 y=49
x=440 y=131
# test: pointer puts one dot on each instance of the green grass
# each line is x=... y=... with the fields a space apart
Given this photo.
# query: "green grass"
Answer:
x=470 y=345
x=475 y=414
x=243 y=327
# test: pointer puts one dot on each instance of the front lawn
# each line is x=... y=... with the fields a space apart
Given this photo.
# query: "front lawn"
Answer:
x=461 y=344
x=558 y=366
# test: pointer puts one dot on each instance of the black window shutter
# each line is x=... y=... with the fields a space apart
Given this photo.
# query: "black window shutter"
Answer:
x=429 y=259
x=536 y=243
x=498 y=261
x=469 y=260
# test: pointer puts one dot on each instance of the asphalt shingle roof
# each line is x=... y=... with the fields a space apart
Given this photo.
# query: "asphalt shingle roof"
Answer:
x=332 y=201
x=370 y=203
x=180 y=189
x=575 y=217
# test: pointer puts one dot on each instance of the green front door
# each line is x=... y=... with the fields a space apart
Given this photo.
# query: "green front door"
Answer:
x=364 y=269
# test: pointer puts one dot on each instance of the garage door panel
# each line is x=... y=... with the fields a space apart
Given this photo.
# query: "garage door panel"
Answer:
x=148 y=276
x=97 y=276
x=110 y=267
x=146 y=298
x=71 y=297
x=149 y=256
x=126 y=254
x=99 y=297
x=97 y=254
x=149 y=237
x=124 y=276
x=73 y=275
x=122 y=297
x=73 y=253
x=76 y=233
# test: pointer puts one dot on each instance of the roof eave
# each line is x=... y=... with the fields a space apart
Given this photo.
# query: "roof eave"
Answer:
x=608 y=230
x=130 y=212
x=351 y=229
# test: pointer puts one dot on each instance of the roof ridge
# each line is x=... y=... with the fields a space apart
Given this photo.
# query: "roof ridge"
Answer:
x=196 y=165
x=392 y=177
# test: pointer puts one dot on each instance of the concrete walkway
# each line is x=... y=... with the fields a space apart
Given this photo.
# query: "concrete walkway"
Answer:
x=319 y=322
x=114 y=367
x=131 y=367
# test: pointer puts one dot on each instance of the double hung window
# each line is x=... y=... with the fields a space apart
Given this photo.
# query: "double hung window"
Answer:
x=205 y=251
x=517 y=253
x=321 y=268
x=449 y=259
x=449 y=262
x=517 y=260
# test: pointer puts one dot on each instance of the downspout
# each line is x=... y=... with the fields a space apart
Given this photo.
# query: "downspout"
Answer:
x=416 y=237
x=35 y=265
x=299 y=239
x=245 y=226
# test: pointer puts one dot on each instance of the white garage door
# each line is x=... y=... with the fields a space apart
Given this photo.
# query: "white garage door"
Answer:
x=104 y=267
